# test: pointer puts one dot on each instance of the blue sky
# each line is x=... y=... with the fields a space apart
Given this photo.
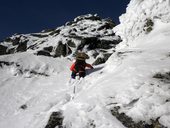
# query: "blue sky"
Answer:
x=27 y=16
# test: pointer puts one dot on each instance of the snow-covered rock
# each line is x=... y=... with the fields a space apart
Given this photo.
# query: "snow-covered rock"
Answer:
x=135 y=22
x=140 y=65
x=132 y=89
x=88 y=33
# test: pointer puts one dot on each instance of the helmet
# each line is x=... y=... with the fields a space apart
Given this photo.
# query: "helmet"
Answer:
x=82 y=56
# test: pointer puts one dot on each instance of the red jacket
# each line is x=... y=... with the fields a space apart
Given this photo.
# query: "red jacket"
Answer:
x=72 y=68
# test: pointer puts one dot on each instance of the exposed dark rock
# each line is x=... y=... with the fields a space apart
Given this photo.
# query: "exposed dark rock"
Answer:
x=148 y=27
x=91 y=42
x=101 y=60
x=105 y=26
x=24 y=106
x=106 y=44
x=48 y=30
x=34 y=46
x=22 y=47
x=84 y=28
x=55 y=32
x=56 y=119
x=39 y=35
x=110 y=22
x=83 y=17
x=167 y=100
x=49 y=49
x=164 y=77
x=91 y=124
x=87 y=17
x=74 y=30
x=106 y=56
x=69 y=23
x=21 y=71
x=98 y=61
x=70 y=35
x=43 y=52
x=3 y=50
x=31 y=72
x=15 y=41
x=129 y=123
x=168 y=55
x=36 y=73
x=62 y=50
x=11 y=51
x=126 y=53
x=71 y=43
x=93 y=30
x=95 y=54
x=6 y=63
x=95 y=43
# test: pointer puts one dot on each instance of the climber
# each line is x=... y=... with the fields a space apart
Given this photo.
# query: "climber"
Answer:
x=78 y=67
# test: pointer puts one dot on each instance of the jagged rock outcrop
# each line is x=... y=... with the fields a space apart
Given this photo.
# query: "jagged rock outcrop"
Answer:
x=3 y=50
x=87 y=33
x=56 y=119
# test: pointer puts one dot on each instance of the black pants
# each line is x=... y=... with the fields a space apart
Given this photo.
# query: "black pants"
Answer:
x=81 y=74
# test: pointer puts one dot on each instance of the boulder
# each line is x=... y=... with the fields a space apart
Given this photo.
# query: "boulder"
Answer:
x=62 y=50
x=92 y=43
x=43 y=52
x=101 y=60
x=22 y=47
x=129 y=123
x=11 y=50
x=49 y=49
x=39 y=35
x=98 y=61
x=24 y=106
x=95 y=43
x=71 y=43
x=56 y=120
x=3 y=50
x=87 y=17
x=105 y=26
x=55 y=32
x=107 y=44
x=15 y=41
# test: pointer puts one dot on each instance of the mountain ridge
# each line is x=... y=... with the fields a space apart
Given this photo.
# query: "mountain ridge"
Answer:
x=130 y=90
x=84 y=31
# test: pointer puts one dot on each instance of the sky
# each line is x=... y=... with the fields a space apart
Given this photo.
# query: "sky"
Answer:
x=29 y=16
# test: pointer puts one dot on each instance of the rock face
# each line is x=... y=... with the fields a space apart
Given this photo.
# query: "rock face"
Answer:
x=56 y=120
x=87 y=33
x=3 y=50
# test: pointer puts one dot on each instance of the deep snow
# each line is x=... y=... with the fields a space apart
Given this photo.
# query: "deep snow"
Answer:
x=125 y=80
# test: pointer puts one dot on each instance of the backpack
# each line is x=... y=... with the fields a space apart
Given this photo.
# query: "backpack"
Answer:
x=80 y=65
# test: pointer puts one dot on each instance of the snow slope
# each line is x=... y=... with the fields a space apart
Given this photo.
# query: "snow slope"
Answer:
x=19 y=86
x=136 y=78
x=32 y=87
x=143 y=97
x=127 y=80
x=45 y=94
